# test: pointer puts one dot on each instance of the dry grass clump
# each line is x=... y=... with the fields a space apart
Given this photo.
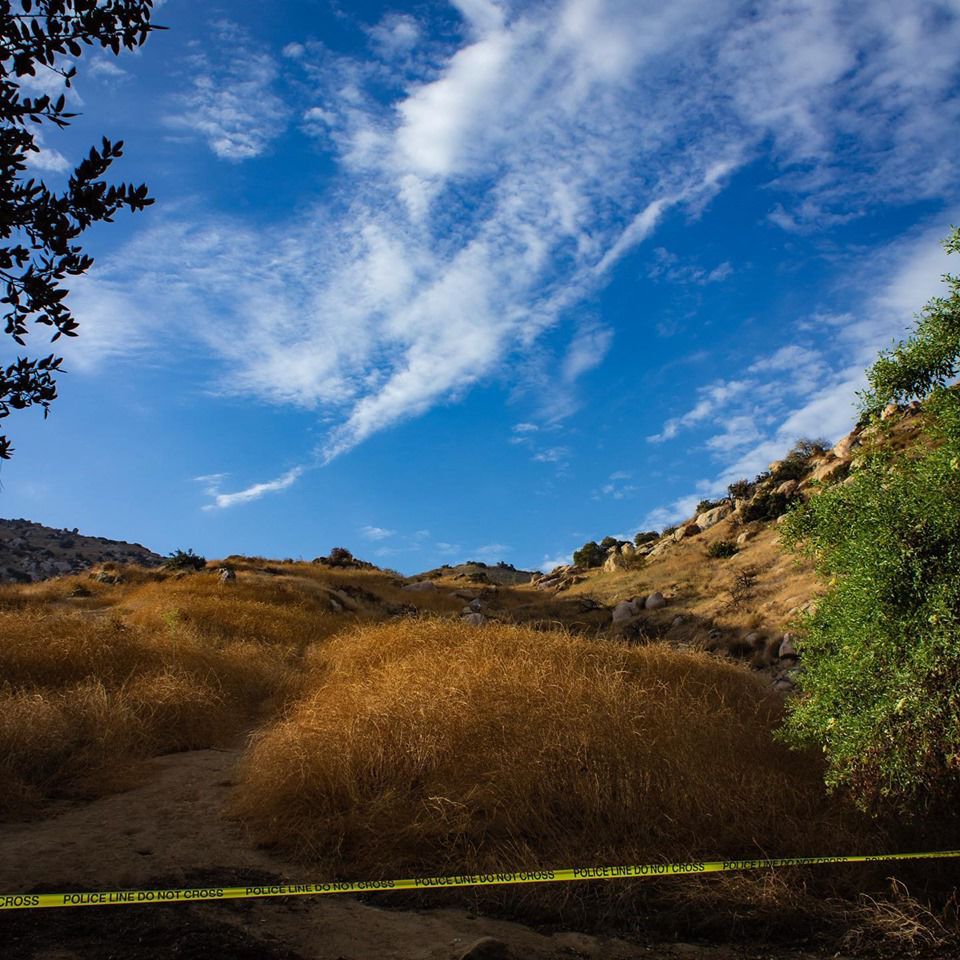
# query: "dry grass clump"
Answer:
x=84 y=694
x=425 y=746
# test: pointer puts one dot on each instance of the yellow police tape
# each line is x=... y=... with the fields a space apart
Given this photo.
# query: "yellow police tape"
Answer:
x=29 y=901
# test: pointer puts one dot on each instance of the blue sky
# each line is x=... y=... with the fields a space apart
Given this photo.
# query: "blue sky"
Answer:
x=475 y=280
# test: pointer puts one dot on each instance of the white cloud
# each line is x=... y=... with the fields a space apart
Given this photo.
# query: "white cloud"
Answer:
x=231 y=103
x=809 y=390
x=253 y=492
x=104 y=68
x=484 y=199
x=376 y=533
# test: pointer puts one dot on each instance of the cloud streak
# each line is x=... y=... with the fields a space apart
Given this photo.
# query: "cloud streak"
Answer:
x=497 y=182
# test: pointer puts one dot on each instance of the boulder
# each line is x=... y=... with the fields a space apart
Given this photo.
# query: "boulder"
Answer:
x=844 y=448
x=756 y=640
x=744 y=537
x=474 y=618
x=829 y=470
x=784 y=684
x=627 y=550
x=788 y=649
x=616 y=561
x=709 y=518
x=685 y=530
x=788 y=488
x=424 y=586
x=775 y=466
x=626 y=610
x=655 y=601
x=890 y=410
x=475 y=605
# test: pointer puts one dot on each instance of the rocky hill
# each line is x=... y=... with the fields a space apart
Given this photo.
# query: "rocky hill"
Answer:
x=30 y=551
x=476 y=571
x=720 y=580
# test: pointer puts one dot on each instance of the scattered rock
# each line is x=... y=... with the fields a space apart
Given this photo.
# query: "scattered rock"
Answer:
x=422 y=586
x=788 y=649
x=710 y=518
x=744 y=537
x=655 y=601
x=475 y=605
x=626 y=610
x=685 y=530
x=843 y=449
x=474 y=618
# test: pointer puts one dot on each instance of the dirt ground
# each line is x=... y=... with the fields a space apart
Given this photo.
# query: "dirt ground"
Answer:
x=170 y=832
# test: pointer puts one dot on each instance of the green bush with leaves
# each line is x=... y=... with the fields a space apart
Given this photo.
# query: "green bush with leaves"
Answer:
x=589 y=555
x=644 y=537
x=881 y=686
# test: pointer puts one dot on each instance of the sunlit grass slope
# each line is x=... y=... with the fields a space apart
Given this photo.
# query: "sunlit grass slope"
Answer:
x=425 y=746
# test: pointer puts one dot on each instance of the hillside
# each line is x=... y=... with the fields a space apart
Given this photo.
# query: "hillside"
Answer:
x=30 y=551
x=258 y=721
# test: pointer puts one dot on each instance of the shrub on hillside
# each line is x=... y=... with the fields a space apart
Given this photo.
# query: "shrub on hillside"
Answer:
x=766 y=505
x=704 y=505
x=185 y=560
x=721 y=549
x=645 y=536
x=796 y=464
x=740 y=489
x=589 y=555
x=882 y=651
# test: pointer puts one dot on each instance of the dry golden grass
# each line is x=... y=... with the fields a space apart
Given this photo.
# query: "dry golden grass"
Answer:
x=424 y=746
x=90 y=685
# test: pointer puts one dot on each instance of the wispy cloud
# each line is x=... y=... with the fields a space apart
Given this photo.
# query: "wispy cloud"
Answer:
x=376 y=533
x=483 y=191
x=230 y=102
x=809 y=389
x=255 y=491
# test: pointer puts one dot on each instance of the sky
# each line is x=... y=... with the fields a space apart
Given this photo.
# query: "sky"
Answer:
x=442 y=281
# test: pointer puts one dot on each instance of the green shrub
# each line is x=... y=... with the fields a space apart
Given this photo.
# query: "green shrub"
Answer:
x=881 y=686
x=704 y=505
x=590 y=555
x=185 y=560
x=645 y=536
x=740 y=489
x=720 y=549
x=766 y=505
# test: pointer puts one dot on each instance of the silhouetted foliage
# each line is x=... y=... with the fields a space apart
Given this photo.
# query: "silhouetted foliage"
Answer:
x=38 y=226
x=185 y=560
x=645 y=536
x=740 y=489
x=590 y=555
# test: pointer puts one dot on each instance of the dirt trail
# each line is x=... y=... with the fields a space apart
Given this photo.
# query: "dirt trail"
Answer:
x=171 y=831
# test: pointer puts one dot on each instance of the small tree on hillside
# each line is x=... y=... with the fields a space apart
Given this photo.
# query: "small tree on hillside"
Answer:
x=881 y=688
x=39 y=227
x=590 y=555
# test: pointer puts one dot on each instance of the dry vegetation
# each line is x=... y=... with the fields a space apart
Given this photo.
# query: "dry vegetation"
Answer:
x=394 y=739
x=430 y=746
